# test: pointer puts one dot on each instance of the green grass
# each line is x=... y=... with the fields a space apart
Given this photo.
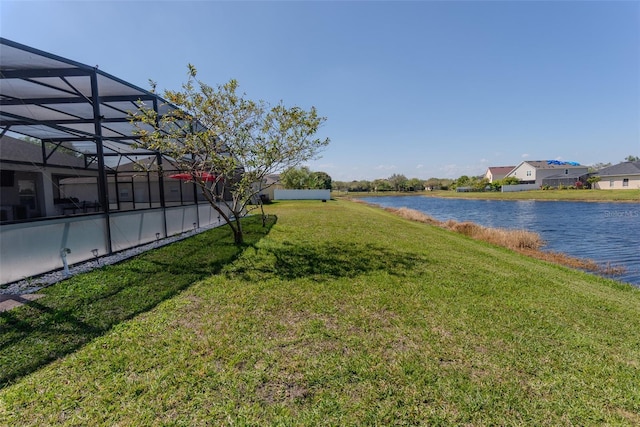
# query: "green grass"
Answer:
x=84 y=307
x=574 y=195
x=345 y=314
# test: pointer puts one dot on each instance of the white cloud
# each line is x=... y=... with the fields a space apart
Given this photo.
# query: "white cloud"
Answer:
x=419 y=166
x=524 y=156
x=385 y=167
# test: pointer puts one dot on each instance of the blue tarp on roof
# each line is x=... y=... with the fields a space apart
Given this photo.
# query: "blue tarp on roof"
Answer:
x=561 y=163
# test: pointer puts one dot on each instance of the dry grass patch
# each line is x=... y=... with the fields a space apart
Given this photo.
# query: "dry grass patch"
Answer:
x=512 y=239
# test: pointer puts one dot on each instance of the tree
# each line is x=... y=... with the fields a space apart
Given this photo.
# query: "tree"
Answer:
x=362 y=185
x=302 y=178
x=398 y=182
x=463 y=181
x=415 y=184
x=297 y=178
x=592 y=180
x=381 y=185
x=438 y=183
x=217 y=132
x=322 y=180
x=510 y=180
x=479 y=183
x=632 y=158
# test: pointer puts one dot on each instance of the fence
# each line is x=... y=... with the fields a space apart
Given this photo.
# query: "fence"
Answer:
x=519 y=187
x=302 y=194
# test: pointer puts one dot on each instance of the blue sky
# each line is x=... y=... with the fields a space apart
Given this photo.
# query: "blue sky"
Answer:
x=422 y=88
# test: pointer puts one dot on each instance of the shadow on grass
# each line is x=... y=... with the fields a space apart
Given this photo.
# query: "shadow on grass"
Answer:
x=327 y=261
x=77 y=310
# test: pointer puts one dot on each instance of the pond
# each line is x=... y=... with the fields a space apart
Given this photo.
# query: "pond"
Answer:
x=608 y=233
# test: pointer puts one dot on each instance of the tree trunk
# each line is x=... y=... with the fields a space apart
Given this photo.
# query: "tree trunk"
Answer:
x=238 y=235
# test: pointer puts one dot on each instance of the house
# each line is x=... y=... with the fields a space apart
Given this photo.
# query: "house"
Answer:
x=270 y=183
x=535 y=172
x=496 y=173
x=625 y=175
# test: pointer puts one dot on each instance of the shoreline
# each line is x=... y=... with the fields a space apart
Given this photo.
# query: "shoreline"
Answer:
x=525 y=242
x=602 y=196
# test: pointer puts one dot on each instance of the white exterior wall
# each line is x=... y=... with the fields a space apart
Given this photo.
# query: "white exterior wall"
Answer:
x=32 y=248
x=181 y=219
x=129 y=229
x=302 y=194
x=521 y=171
x=616 y=183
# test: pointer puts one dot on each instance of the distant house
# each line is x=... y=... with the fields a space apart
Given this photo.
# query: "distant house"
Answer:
x=496 y=173
x=625 y=175
x=546 y=172
x=269 y=184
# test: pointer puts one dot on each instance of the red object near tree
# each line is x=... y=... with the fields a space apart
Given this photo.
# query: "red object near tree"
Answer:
x=205 y=176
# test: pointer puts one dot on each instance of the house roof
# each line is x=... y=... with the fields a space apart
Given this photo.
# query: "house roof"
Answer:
x=553 y=164
x=570 y=175
x=272 y=179
x=624 y=168
x=501 y=170
x=19 y=151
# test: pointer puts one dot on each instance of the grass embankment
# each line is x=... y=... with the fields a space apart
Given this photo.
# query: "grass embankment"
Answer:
x=566 y=195
x=345 y=314
x=523 y=241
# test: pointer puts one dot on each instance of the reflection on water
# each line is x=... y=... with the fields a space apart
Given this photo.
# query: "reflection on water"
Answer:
x=608 y=233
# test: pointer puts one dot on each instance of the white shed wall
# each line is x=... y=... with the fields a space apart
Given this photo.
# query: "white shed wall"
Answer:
x=302 y=194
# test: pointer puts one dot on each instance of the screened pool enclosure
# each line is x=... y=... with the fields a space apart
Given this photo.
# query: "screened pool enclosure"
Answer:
x=72 y=182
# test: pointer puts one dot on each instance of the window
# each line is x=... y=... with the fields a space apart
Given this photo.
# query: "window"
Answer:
x=27 y=192
x=566 y=171
x=528 y=173
x=625 y=182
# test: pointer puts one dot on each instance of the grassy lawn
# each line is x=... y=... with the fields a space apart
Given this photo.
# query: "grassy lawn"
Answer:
x=344 y=314
x=84 y=307
x=575 y=195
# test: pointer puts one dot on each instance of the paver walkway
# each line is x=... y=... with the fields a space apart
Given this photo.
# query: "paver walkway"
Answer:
x=9 y=301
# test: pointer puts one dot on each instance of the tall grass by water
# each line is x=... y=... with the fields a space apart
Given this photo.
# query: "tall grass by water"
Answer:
x=345 y=314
